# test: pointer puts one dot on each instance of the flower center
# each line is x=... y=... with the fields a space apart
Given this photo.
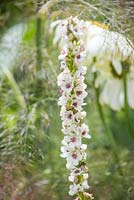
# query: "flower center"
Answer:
x=69 y=116
x=72 y=139
x=74 y=155
x=78 y=93
x=78 y=57
x=63 y=52
x=75 y=104
x=84 y=132
x=68 y=85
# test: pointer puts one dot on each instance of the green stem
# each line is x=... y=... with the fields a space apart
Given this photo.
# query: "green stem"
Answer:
x=107 y=131
x=81 y=196
x=18 y=94
x=38 y=38
x=126 y=106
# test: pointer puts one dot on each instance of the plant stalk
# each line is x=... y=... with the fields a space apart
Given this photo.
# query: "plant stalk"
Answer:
x=38 y=39
x=108 y=132
x=126 y=105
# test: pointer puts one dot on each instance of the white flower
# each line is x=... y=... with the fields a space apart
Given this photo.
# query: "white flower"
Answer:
x=63 y=53
x=83 y=130
x=130 y=90
x=79 y=58
x=77 y=104
x=61 y=31
x=107 y=46
x=80 y=91
x=85 y=185
x=63 y=65
x=112 y=94
x=76 y=173
x=69 y=130
x=109 y=53
x=76 y=49
x=65 y=81
x=95 y=43
x=81 y=71
x=71 y=141
x=79 y=81
x=74 y=152
x=78 y=28
x=67 y=117
x=78 y=187
x=62 y=101
x=79 y=116
x=117 y=66
x=74 y=189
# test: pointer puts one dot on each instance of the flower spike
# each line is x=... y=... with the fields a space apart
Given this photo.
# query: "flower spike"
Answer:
x=72 y=86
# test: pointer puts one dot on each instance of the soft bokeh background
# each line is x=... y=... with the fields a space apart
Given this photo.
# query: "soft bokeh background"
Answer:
x=30 y=135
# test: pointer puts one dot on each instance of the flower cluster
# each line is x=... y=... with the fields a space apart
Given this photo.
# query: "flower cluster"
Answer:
x=72 y=87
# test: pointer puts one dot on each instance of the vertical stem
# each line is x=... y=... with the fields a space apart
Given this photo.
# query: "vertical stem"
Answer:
x=108 y=132
x=38 y=38
x=81 y=196
x=18 y=94
x=126 y=105
x=97 y=92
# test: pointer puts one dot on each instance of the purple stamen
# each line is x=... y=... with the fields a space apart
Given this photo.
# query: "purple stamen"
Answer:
x=78 y=57
x=74 y=155
x=73 y=139
x=68 y=85
x=69 y=116
x=78 y=93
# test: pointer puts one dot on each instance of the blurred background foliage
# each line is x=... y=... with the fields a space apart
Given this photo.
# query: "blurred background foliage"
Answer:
x=30 y=135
